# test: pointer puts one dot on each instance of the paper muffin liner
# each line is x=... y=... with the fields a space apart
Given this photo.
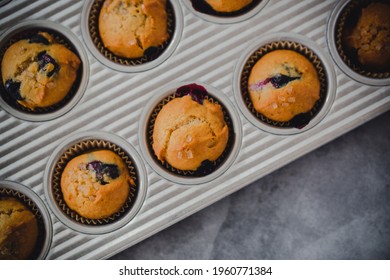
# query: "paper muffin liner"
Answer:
x=85 y=147
x=209 y=170
x=284 y=45
x=10 y=189
x=207 y=167
x=152 y=57
x=61 y=36
x=345 y=22
x=302 y=45
x=206 y=12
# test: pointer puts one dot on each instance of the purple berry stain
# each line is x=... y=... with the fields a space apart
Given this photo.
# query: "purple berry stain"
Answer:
x=280 y=80
x=277 y=81
x=101 y=169
x=197 y=92
x=38 y=39
x=13 y=88
x=45 y=59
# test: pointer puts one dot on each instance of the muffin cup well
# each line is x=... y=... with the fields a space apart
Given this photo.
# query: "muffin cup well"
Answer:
x=209 y=170
x=90 y=31
x=343 y=16
x=78 y=144
x=63 y=36
x=305 y=47
x=227 y=18
x=33 y=202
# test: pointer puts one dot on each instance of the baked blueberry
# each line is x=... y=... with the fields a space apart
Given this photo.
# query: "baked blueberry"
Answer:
x=280 y=80
x=301 y=120
x=102 y=169
x=13 y=88
x=197 y=92
x=44 y=62
x=39 y=39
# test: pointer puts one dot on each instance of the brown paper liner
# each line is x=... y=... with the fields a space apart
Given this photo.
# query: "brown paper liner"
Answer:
x=59 y=38
x=202 y=7
x=344 y=25
x=29 y=203
x=81 y=148
x=284 y=45
x=93 y=25
x=207 y=167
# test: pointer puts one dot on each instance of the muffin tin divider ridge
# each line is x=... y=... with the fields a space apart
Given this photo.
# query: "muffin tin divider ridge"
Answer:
x=113 y=102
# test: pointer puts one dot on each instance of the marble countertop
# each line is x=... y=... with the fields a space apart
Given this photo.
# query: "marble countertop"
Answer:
x=332 y=203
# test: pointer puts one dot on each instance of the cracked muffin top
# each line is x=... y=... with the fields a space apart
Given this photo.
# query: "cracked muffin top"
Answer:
x=129 y=27
x=283 y=84
x=18 y=230
x=38 y=72
x=371 y=37
x=96 y=184
x=189 y=130
x=227 y=6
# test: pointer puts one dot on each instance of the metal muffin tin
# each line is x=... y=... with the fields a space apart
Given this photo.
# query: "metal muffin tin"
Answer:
x=114 y=102
x=41 y=207
x=81 y=53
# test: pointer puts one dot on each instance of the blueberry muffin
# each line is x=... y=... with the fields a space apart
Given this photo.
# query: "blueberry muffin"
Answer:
x=189 y=130
x=283 y=84
x=129 y=27
x=370 y=38
x=96 y=184
x=18 y=230
x=228 y=6
x=38 y=72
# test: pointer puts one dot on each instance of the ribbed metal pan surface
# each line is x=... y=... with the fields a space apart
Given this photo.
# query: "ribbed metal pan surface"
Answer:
x=114 y=101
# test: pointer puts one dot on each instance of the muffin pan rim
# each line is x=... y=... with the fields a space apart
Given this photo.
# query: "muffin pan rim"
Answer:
x=226 y=20
x=162 y=93
x=300 y=39
x=66 y=32
x=92 y=135
x=12 y=185
x=168 y=52
x=330 y=28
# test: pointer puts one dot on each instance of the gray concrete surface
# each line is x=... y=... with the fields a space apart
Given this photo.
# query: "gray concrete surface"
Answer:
x=333 y=203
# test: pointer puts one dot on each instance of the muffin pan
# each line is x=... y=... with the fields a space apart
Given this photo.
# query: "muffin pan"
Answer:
x=116 y=104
